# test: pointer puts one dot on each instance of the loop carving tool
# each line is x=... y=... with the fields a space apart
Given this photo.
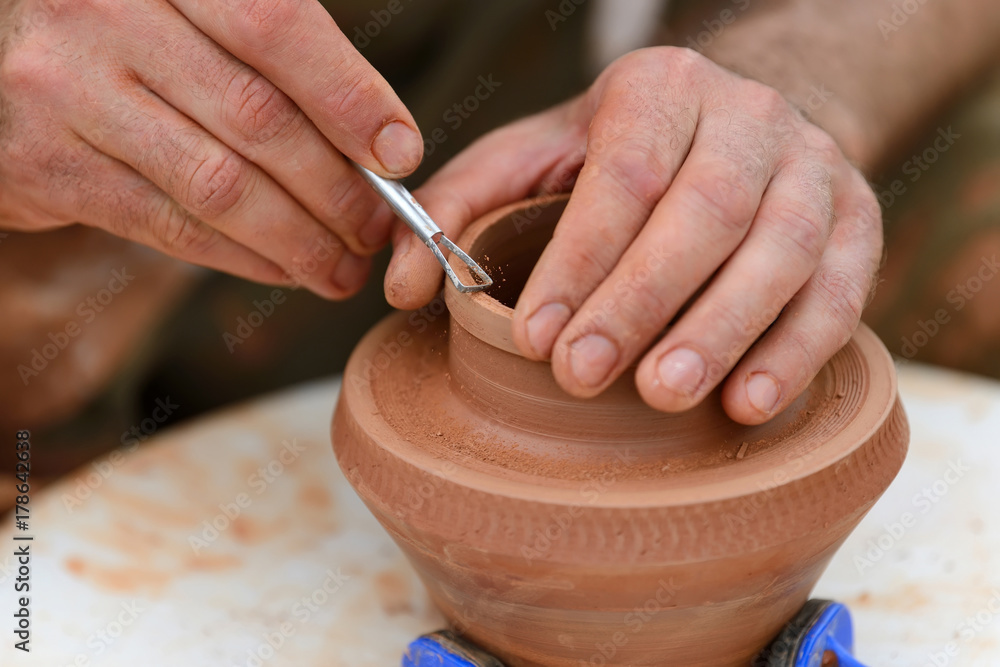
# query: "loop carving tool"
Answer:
x=820 y=635
x=413 y=214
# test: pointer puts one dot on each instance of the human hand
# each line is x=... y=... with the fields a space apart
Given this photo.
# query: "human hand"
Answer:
x=687 y=177
x=212 y=130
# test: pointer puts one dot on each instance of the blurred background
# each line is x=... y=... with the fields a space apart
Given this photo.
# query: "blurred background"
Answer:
x=157 y=342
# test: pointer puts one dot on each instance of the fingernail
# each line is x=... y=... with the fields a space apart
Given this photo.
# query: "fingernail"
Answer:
x=763 y=392
x=544 y=326
x=682 y=371
x=350 y=273
x=398 y=148
x=592 y=358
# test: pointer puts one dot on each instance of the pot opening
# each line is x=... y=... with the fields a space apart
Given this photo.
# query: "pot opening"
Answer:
x=510 y=248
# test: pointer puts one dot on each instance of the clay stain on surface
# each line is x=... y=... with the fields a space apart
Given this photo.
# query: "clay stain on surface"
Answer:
x=315 y=496
x=121 y=579
x=394 y=592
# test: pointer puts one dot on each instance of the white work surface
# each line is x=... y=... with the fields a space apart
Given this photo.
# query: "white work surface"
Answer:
x=303 y=576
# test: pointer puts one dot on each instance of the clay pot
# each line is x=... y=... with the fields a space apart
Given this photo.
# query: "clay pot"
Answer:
x=557 y=531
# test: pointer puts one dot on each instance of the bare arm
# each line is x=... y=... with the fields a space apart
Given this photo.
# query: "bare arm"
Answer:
x=870 y=72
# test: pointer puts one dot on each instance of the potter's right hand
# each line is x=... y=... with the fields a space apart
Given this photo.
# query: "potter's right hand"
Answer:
x=694 y=186
x=212 y=130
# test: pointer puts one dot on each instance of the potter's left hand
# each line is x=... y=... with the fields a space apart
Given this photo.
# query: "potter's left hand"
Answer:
x=687 y=177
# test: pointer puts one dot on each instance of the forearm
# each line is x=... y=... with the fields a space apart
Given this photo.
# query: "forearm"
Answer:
x=865 y=70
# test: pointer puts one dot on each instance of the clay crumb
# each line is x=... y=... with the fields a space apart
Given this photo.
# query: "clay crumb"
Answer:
x=743 y=450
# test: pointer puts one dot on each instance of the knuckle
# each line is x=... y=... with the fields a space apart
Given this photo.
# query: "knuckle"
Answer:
x=350 y=200
x=217 y=185
x=650 y=57
x=845 y=295
x=637 y=169
x=732 y=317
x=765 y=101
x=800 y=225
x=356 y=96
x=681 y=61
x=806 y=218
x=824 y=145
x=261 y=112
x=183 y=235
x=725 y=195
x=263 y=24
x=867 y=208
x=586 y=259
x=646 y=310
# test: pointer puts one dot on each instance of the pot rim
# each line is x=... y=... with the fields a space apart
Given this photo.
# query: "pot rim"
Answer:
x=477 y=312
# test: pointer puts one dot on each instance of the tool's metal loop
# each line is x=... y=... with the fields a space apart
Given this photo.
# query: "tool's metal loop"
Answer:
x=413 y=214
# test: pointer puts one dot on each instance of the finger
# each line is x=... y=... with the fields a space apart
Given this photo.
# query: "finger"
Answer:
x=220 y=188
x=117 y=199
x=628 y=169
x=780 y=253
x=248 y=113
x=819 y=320
x=299 y=48
x=696 y=226
x=501 y=167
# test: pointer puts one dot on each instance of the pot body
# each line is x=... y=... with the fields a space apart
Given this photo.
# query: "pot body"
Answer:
x=558 y=531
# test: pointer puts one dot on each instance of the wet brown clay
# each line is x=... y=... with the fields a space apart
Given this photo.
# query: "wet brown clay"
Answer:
x=558 y=531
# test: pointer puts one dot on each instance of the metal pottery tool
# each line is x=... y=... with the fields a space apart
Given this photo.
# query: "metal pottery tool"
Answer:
x=820 y=635
x=413 y=214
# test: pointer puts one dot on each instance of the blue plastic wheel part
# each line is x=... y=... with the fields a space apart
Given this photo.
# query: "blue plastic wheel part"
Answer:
x=820 y=635
x=831 y=632
x=446 y=649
